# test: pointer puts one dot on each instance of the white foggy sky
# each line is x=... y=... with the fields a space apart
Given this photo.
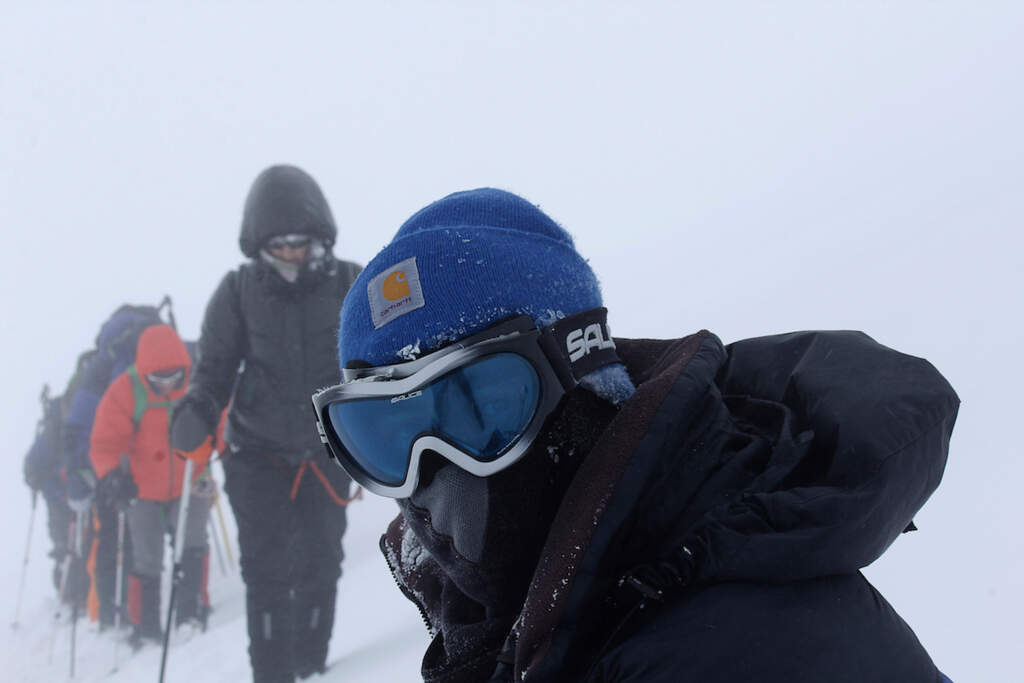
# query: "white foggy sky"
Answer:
x=750 y=168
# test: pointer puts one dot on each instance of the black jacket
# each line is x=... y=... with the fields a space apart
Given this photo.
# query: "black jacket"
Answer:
x=784 y=465
x=271 y=342
x=284 y=339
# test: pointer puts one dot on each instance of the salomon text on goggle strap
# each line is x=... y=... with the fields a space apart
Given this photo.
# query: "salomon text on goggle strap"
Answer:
x=479 y=402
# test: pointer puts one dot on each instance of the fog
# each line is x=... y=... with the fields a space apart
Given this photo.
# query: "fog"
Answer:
x=745 y=168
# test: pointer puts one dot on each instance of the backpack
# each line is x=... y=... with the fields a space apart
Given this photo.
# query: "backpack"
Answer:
x=116 y=345
x=118 y=338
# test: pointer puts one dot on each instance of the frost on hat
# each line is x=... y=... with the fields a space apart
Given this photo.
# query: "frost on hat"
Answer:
x=458 y=266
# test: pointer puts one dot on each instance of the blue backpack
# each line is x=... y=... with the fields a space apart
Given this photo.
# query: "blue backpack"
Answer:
x=116 y=345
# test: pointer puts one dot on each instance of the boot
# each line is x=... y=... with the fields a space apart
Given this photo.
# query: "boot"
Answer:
x=189 y=610
x=313 y=623
x=189 y=607
x=269 y=616
x=144 y=609
x=76 y=592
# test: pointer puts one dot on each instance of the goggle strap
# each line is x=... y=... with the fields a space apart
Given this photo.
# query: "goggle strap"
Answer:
x=582 y=343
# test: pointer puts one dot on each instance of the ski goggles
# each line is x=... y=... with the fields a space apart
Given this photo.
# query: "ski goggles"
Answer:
x=295 y=241
x=166 y=381
x=479 y=403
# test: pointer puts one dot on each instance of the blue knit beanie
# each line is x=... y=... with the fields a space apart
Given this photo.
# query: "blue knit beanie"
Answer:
x=458 y=266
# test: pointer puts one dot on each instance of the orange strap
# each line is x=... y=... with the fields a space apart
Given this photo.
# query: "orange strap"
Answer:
x=326 y=484
x=330 y=491
x=298 y=479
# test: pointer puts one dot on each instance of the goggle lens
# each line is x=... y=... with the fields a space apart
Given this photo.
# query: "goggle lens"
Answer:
x=163 y=382
x=293 y=241
x=482 y=408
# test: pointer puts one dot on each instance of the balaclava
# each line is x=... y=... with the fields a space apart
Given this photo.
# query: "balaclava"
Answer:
x=317 y=258
x=453 y=269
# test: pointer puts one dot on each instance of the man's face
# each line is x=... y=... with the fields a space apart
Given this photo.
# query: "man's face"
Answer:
x=290 y=248
x=164 y=382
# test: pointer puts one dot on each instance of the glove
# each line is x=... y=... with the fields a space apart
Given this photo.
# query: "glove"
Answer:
x=117 y=489
x=192 y=426
x=80 y=483
x=200 y=455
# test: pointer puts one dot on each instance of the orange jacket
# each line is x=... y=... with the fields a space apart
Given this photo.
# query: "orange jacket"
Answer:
x=147 y=444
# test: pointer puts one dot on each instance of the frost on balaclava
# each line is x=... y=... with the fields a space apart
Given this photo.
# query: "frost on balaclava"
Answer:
x=317 y=260
x=453 y=269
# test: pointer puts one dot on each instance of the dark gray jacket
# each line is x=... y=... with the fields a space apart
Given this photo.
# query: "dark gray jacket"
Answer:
x=283 y=339
x=271 y=342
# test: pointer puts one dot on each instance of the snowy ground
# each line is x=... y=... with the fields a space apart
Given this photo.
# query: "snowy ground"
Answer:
x=378 y=635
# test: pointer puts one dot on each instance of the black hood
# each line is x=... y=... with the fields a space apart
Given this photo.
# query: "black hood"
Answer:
x=284 y=200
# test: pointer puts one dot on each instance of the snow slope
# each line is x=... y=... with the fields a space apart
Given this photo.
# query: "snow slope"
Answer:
x=378 y=635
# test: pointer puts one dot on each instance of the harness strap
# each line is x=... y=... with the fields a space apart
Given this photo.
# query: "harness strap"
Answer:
x=326 y=484
x=298 y=479
x=330 y=490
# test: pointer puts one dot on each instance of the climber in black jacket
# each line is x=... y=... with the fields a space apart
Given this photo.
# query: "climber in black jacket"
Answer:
x=576 y=507
x=271 y=328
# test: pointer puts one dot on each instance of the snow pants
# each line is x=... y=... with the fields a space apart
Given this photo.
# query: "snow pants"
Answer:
x=150 y=521
x=289 y=532
x=58 y=517
x=105 y=569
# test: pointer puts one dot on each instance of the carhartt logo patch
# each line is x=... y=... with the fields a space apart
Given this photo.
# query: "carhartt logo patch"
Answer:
x=395 y=292
x=395 y=286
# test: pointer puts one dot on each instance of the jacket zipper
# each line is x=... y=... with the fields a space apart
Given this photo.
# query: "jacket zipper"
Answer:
x=407 y=593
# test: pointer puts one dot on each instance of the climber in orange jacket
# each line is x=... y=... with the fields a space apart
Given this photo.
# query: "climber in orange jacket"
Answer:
x=131 y=455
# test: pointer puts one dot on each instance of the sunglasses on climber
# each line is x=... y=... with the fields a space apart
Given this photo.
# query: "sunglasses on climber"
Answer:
x=166 y=381
x=479 y=403
x=294 y=241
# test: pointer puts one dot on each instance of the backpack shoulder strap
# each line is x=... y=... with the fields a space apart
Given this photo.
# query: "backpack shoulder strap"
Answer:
x=142 y=402
x=140 y=393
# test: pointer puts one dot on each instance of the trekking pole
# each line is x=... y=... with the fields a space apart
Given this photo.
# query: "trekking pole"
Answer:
x=224 y=530
x=61 y=591
x=179 y=548
x=24 y=564
x=118 y=583
x=212 y=527
x=216 y=548
x=223 y=526
x=78 y=553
